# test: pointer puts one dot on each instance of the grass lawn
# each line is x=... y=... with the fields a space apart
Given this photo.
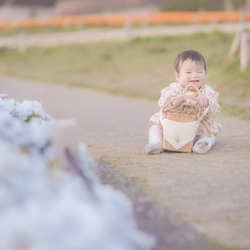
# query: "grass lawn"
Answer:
x=139 y=67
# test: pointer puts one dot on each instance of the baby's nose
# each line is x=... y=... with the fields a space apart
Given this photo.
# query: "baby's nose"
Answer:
x=194 y=74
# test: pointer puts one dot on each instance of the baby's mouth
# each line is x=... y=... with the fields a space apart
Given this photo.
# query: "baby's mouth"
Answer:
x=194 y=81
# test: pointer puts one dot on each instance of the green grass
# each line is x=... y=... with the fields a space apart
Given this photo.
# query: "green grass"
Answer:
x=236 y=110
x=139 y=67
x=219 y=246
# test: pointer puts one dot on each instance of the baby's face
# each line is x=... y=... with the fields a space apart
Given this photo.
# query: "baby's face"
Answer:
x=191 y=72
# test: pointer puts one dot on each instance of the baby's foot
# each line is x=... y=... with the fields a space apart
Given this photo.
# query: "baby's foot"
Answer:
x=154 y=148
x=203 y=145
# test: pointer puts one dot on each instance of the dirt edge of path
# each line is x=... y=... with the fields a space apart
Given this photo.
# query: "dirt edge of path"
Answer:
x=152 y=218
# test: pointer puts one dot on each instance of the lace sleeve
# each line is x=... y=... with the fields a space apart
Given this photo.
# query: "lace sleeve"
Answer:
x=167 y=93
x=212 y=116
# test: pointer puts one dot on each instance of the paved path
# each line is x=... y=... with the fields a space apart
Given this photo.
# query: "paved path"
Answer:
x=22 y=41
x=210 y=192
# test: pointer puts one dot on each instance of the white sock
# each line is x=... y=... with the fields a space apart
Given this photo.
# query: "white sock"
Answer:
x=155 y=140
x=203 y=144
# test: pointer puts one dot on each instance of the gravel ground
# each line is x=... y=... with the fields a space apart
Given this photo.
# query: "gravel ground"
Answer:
x=183 y=195
x=169 y=231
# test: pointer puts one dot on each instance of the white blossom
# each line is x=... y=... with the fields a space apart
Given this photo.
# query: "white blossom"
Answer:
x=46 y=208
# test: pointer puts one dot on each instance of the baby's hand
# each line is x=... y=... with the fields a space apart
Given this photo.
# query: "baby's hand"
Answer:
x=203 y=101
x=176 y=102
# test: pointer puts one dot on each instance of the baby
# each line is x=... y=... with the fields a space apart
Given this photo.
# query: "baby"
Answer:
x=190 y=72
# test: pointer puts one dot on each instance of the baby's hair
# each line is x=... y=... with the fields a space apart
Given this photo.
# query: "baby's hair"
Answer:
x=189 y=54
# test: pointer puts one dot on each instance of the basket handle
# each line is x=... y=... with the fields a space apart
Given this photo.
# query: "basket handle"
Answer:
x=165 y=108
x=168 y=107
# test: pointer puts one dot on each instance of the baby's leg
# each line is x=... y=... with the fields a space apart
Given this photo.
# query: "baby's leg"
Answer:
x=203 y=144
x=155 y=140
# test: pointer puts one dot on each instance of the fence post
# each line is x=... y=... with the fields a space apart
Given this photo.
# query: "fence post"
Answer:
x=235 y=45
x=128 y=28
x=22 y=43
x=245 y=50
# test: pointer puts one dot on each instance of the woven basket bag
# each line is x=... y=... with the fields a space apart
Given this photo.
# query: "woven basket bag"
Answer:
x=180 y=120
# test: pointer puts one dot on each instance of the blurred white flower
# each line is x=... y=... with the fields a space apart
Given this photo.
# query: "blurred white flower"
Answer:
x=45 y=208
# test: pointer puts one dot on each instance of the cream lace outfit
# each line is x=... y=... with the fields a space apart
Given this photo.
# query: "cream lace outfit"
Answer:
x=210 y=117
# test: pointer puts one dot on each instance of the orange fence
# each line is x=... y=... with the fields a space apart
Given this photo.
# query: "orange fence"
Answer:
x=120 y=19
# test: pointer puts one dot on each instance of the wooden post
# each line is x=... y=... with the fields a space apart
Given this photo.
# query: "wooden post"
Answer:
x=242 y=39
x=242 y=11
x=22 y=43
x=128 y=28
x=245 y=50
x=235 y=47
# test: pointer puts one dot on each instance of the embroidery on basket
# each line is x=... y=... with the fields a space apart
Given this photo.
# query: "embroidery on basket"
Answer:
x=179 y=134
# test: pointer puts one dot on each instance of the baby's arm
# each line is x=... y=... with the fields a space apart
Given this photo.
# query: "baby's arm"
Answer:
x=205 y=138
x=212 y=111
x=168 y=93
